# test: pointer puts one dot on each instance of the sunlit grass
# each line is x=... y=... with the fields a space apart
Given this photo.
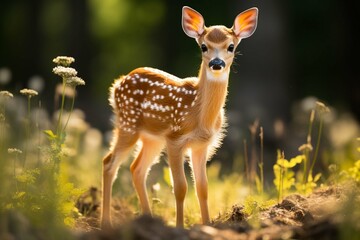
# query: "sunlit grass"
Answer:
x=224 y=192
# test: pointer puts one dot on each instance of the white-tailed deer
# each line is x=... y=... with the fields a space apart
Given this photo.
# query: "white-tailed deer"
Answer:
x=157 y=111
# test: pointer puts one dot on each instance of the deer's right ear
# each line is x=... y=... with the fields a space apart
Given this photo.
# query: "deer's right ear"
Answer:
x=192 y=22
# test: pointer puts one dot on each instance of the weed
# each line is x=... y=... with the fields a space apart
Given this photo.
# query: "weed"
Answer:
x=246 y=162
x=321 y=109
x=29 y=93
x=261 y=163
x=307 y=148
x=253 y=160
x=253 y=206
x=43 y=194
x=284 y=173
x=4 y=97
x=309 y=182
x=354 y=171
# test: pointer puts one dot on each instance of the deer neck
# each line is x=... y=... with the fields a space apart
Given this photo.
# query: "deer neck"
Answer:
x=212 y=91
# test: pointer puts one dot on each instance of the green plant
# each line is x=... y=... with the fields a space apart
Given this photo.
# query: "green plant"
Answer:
x=65 y=192
x=354 y=171
x=253 y=206
x=309 y=182
x=321 y=109
x=29 y=93
x=4 y=97
x=284 y=173
x=251 y=174
x=307 y=148
x=261 y=163
x=42 y=193
x=69 y=80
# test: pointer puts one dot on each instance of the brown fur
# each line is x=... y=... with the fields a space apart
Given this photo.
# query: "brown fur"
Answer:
x=217 y=35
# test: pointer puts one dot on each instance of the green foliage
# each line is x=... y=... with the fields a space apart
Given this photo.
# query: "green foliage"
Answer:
x=253 y=206
x=354 y=171
x=28 y=176
x=42 y=192
x=284 y=173
x=39 y=191
x=309 y=186
x=285 y=176
x=67 y=194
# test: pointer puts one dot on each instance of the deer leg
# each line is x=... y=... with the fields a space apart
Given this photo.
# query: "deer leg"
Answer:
x=201 y=184
x=176 y=163
x=141 y=166
x=111 y=164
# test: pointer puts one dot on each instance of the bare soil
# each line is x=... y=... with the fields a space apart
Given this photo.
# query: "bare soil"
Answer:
x=328 y=213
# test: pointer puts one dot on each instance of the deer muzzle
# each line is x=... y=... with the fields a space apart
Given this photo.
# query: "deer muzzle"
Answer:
x=216 y=64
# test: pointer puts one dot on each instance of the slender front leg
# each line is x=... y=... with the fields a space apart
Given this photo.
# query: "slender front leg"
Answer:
x=199 y=158
x=176 y=162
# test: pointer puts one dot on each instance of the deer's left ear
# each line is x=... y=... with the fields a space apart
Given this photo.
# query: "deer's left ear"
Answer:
x=245 y=23
x=192 y=22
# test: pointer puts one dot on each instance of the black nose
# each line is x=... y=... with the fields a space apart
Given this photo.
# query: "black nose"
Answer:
x=216 y=64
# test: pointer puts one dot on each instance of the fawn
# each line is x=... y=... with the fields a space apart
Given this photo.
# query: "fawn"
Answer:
x=156 y=111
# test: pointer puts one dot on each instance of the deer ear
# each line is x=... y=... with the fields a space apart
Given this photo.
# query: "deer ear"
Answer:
x=192 y=22
x=245 y=23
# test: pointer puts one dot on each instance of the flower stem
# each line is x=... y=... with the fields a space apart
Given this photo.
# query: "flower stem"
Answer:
x=261 y=164
x=16 y=186
x=246 y=160
x=70 y=112
x=317 y=144
x=280 y=184
x=308 y=141
x=58 y=131
x=27 y=130
x=2 y=126
x=306 y=161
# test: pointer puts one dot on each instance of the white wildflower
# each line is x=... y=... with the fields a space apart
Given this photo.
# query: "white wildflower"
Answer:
x=63 y=60
x=6 y=94
x=321 y=107
x=28 y=92
x=74 y=81
x=14 y=151
x=305 y=147
x=65 y=72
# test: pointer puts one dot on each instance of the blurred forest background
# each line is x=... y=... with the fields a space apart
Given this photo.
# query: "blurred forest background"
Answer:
x=300 y=49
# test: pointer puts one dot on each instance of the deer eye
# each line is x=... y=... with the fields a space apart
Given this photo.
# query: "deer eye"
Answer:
x=204 y=48
x=231 y=48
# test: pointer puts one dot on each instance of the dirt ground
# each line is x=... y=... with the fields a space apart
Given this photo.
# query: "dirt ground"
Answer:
x=328 y=213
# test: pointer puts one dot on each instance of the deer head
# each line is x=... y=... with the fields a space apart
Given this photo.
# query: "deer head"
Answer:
x=218 y=43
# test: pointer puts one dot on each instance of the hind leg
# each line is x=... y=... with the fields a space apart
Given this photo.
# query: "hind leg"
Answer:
x=111 y=164
x=150 y=150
